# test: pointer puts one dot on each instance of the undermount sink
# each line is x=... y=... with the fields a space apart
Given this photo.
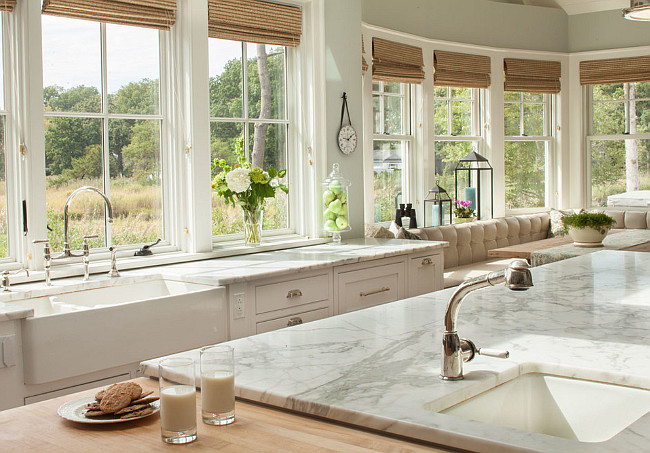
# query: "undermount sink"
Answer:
x=565 y=407
x=81 y=328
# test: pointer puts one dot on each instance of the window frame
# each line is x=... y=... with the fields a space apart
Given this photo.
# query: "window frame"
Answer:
x=289 y=104
x=550 y=119
x=407 y=94
x=167 y=242
x=591 y=137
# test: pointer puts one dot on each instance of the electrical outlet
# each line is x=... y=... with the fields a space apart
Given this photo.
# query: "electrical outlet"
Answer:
x=238 y=311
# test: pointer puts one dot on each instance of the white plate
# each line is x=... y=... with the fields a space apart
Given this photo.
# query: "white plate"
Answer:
x=74 y=411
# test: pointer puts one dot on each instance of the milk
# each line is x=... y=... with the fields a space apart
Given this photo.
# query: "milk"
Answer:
x=178 y=408
x=217 y=392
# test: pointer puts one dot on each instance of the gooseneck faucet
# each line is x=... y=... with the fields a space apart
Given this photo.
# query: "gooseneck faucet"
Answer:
x=66 y=217
x=455 y=351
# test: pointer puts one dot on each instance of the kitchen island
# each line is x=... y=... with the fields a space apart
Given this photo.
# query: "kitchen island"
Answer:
x=586 y=318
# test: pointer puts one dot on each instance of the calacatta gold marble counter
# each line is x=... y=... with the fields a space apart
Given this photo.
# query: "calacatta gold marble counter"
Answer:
x=587 y=317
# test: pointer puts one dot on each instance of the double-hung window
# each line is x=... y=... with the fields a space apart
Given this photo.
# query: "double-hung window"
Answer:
x=457 y=128
x=6 y=219
x=528 y=145
x=618 y=140
x=103 y=126
x=392 y=145
x=248 y=110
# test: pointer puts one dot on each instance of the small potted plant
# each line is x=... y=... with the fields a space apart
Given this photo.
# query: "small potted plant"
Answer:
x=463 y=211
x=588 y=229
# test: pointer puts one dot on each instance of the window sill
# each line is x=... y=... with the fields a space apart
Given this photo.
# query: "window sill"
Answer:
x=126 y=260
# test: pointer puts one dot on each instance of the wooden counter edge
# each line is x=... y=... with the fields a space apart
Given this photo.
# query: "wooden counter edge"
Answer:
x=38 y=427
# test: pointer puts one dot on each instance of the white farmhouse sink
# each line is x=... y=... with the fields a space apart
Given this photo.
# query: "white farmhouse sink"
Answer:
x=558 y=406
x=89 y=329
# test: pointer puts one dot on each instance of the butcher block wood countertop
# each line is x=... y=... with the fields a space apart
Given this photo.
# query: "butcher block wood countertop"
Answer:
x=38 y=428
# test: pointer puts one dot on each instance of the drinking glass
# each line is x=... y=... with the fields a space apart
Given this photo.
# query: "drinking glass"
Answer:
x=217 y=385
x=177 y=400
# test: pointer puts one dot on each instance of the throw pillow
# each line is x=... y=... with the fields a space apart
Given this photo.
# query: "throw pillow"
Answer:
x=557 y=227
x=373 y=231
x=393 y=228
x=403 y=233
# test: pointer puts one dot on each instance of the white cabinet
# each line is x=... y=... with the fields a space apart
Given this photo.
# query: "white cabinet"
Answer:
x=425 y=274
x=360 y=286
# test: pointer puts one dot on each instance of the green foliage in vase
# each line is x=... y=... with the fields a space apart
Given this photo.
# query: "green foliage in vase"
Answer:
x=595 y=220
x=243 y=184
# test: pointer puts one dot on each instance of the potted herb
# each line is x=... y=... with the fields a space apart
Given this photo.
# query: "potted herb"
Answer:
x=588 y=229
x=463 y=211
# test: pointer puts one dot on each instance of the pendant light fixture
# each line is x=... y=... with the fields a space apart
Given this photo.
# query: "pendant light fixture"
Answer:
x=638 y=10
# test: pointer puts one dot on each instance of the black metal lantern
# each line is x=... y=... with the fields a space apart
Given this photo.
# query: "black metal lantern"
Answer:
x=471 y=163
x=434 y=205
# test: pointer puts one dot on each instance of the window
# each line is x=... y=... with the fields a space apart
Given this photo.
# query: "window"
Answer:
x=618 y=140
x=392 y=142
x=527 y=143
x=4 y=199
x=103 y=125
x=457 y=132
x=248 y=109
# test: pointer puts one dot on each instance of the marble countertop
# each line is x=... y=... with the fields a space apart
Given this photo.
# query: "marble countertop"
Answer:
x=587 y=317
x=224 y=271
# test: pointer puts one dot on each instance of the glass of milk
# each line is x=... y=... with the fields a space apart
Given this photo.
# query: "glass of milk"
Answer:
x=177 y=400
x=217 y=385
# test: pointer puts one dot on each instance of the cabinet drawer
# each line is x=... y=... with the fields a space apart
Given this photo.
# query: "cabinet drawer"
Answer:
x=425 y=274
x=288 y=321
x=368 y=287
x=292 y=293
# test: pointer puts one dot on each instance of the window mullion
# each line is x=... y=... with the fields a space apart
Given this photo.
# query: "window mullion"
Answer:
x=244 y=66
x=105 y=140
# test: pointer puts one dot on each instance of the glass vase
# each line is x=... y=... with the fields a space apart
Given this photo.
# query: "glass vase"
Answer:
x=253 y=226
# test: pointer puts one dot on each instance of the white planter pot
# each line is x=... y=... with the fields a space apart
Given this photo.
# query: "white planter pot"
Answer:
x=587 y=236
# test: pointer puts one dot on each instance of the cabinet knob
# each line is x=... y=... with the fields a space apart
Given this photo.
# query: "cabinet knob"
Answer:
x=294 y=293
x=427 y=261
x=294 y=321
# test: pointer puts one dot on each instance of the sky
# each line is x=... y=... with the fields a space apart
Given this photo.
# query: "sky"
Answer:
x=71 y=54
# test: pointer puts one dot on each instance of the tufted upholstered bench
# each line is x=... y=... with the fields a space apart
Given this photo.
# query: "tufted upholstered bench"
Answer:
x=635 y=219
x=466 y=257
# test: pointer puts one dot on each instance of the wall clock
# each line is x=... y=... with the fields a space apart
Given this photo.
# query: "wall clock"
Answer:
x=347 y=135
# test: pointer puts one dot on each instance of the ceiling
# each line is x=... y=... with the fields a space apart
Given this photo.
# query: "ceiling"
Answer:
x=574 y=6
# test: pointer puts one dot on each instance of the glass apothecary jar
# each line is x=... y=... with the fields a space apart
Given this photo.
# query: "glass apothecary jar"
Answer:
x=335 y=204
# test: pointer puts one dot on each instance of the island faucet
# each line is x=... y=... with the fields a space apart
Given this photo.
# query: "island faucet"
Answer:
x=455 y=351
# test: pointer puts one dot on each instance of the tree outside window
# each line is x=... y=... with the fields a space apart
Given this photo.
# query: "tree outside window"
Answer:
x=103 y=122
x=248 y=110
x=527 y=143
x=619 y=139
x=392 y=140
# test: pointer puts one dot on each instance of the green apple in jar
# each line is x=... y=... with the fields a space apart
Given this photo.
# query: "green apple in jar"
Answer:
x=330 y=225
x=341 y=222
x=328 y=197
x=329 y=215
x=343 y=196
x=335 y=186
x=335 y=206
x=343 y=210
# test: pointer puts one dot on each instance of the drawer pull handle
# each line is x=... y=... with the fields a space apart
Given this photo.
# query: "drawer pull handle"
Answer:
x=374 y=291
x=294 y=293
x=294 y=321
x=427 y=261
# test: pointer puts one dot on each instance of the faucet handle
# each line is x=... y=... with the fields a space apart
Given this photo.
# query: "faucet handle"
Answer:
x=493 y=353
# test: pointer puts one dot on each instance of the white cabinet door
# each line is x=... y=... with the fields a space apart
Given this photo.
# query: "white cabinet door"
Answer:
x=376 y=285
x=425 y=274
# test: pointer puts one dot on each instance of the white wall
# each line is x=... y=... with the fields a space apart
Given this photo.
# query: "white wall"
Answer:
x=605 y=30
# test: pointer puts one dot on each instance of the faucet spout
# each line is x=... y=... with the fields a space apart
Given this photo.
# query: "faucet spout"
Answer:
x=66 y=217
x=455 y=351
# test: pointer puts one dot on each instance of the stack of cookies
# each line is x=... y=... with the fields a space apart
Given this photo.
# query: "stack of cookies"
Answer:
x=124 y=400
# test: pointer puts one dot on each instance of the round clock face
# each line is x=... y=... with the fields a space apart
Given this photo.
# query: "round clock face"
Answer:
x=347 y=139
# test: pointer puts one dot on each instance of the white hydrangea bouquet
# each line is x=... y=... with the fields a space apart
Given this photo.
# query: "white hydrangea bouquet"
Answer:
x=247 y=187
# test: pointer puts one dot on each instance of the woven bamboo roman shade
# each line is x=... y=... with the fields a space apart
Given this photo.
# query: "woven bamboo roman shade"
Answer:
x=532 y=76
x=615 y=70
x=396 y=62
x=364 y=63
x=255 y=21
x=460 y=70
x=160 y=14
x=7 y=5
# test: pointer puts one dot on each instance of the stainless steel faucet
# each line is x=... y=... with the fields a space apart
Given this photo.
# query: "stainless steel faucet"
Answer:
x=455 y=351
x=47 y=255
x=113 y=272
x=6 y=284
x=66 y=218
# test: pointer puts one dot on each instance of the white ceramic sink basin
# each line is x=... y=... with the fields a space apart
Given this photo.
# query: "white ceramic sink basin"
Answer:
x=558 y=406
x=81 y=329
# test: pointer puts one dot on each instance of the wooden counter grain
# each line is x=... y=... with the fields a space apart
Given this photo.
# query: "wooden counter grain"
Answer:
x=38 y=428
